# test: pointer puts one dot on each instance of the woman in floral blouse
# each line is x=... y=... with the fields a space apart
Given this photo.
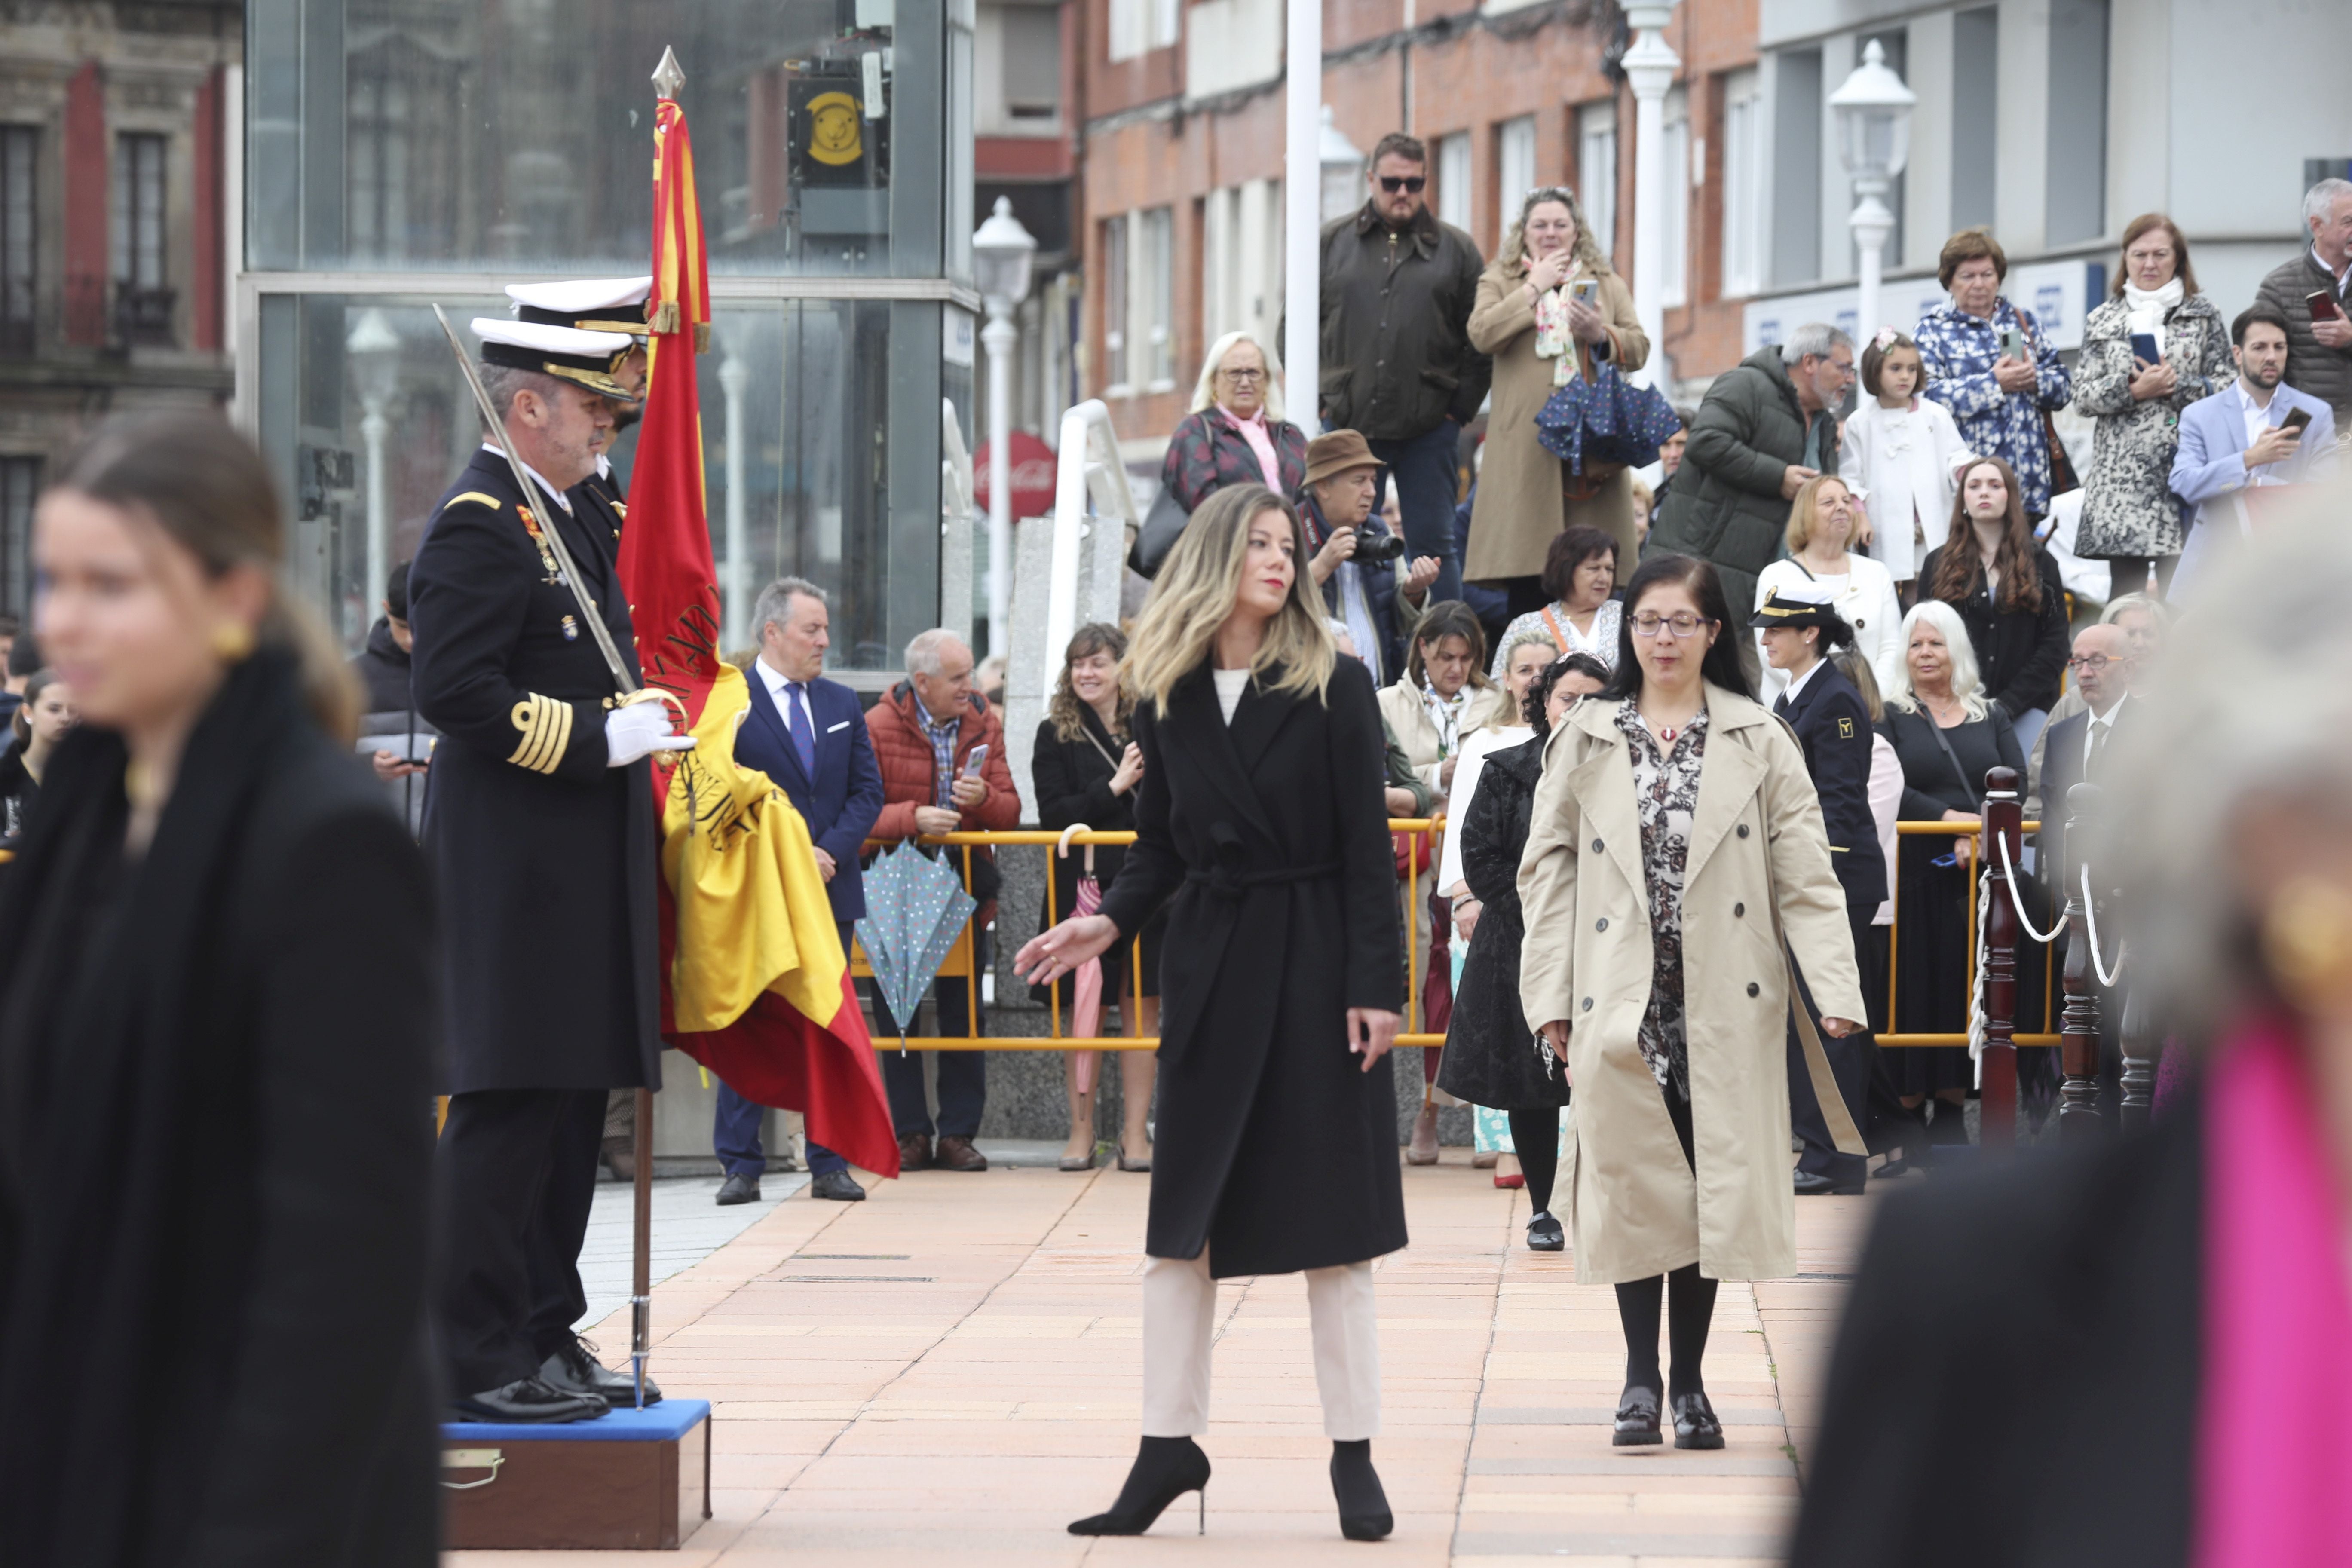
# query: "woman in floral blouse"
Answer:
x=1235 y=434
x=1996 y=397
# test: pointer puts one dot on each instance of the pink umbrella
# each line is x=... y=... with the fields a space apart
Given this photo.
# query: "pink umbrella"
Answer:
x=1087 y=980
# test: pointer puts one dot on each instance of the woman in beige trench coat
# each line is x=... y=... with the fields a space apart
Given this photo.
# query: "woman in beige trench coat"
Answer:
x=1677 y=836
x=1527 y=496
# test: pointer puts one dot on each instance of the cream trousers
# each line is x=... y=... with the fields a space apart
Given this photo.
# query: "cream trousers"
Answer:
x=1179 y=1313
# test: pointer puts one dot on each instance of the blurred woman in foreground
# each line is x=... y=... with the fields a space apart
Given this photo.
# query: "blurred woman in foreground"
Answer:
x=216 y=1121
x=2141 y=1352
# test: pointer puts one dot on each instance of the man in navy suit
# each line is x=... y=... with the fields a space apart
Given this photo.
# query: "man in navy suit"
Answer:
x=1801 y=628
x=2104 y=667
x=808 y=734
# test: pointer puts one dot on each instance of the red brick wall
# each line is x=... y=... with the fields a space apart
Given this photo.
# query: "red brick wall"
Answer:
x=88 y=199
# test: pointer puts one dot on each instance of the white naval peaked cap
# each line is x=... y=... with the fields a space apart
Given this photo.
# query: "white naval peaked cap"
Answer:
x=594 y=304
x=1811 y=591
x=587 y=359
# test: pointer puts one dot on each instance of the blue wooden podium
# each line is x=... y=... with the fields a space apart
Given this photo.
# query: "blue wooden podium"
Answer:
x=630 y=1479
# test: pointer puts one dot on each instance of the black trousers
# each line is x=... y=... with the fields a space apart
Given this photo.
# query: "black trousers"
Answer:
x=962 y=1075
x=1849 y=1064
x=517 y=1171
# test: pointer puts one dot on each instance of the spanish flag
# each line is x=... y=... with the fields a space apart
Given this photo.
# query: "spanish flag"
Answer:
x=755 y=986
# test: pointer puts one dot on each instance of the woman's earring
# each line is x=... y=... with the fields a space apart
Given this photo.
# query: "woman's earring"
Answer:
x=232 y=641
x=2307 y=941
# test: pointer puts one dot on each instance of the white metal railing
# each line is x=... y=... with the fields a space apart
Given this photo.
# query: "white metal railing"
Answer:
x=1087 y=465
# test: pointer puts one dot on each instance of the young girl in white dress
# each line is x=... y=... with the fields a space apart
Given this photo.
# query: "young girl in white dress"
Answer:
x=1902 y=455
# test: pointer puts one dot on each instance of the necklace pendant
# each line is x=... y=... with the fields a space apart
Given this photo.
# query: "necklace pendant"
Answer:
x=1668 y=734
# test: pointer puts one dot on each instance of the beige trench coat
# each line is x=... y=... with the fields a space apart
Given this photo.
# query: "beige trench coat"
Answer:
x=1520 y=507
x=1635 y=1208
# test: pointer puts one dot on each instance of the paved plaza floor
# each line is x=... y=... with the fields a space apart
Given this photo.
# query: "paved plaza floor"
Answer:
x=947 y=1374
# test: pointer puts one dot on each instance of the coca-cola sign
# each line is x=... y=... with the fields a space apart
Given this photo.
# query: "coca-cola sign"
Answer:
x=1033 y=475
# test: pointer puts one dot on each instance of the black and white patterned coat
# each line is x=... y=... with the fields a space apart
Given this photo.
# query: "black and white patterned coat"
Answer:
x=2129 y=511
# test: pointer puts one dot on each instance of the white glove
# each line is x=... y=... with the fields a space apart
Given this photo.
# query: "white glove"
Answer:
x=639 y=730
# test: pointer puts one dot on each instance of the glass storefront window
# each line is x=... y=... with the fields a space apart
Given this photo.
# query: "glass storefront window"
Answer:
x=406 y=135
x=820 y=446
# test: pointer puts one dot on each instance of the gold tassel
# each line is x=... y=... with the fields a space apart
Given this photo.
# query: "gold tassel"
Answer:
x=702 y=337
x=663 y=318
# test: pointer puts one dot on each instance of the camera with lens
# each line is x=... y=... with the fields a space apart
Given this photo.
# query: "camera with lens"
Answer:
x=1378 y=549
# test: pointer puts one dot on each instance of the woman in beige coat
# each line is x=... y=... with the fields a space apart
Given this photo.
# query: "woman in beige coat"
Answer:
x=1676 y=839
x=1530 y=317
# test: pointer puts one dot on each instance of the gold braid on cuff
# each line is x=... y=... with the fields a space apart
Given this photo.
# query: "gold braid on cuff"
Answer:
x=546 y=726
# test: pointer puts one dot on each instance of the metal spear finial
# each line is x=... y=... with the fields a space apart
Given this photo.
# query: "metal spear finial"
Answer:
x=667 y=76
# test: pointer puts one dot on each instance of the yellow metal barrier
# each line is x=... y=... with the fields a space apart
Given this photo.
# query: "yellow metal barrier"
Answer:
x=962 y=959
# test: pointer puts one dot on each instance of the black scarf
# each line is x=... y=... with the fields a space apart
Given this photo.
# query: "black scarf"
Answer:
x=126 y=1173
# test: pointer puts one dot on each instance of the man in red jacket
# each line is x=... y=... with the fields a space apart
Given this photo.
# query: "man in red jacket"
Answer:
x=928 y=737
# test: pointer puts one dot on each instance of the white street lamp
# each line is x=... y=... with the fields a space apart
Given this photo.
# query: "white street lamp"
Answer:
x=1874 y=124
x=373 y=349
x=1650 y=68
x=1001 y=251
x=737 y=605
x=1342 y=164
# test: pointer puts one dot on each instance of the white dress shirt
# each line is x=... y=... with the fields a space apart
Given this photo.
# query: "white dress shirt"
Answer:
x=2100 y=723
x=537 y=478
x=782 y=693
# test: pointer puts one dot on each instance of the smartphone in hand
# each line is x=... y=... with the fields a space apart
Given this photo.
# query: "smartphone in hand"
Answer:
x=2296 y=418
x=2324 y=307
x=976 y=760
x=2143 y=345
x=2013 y=344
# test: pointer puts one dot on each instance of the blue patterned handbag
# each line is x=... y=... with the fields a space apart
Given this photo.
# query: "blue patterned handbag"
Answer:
x=1608 y=419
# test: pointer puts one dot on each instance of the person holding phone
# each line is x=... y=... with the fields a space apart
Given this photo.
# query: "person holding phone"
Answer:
x=941 y=747
x=2312 y=294
x=2256 y=433
x=1988 y=362
x=2154 y=347
x=1549 y=309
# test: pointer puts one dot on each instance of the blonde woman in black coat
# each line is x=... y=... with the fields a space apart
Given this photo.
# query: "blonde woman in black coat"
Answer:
x=1261 y=815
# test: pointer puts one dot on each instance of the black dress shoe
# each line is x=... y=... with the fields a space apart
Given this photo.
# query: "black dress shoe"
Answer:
x=739 y=1189
x=574 y=1368
x=839 y=1186
x=1165 y=1469
x=915 y=1152
x=1694 y=1422
x=958 y=1155
x=530 y=1399
x=1814 y=1184
x=1363 y=1505
x=1544 y=1234
x=1637 y=1417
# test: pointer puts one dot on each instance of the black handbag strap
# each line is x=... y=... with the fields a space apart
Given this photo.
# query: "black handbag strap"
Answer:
x=1950 y=756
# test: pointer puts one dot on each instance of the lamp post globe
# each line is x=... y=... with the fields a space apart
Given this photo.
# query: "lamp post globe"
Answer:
x=1001 y=251
x=1873 y=129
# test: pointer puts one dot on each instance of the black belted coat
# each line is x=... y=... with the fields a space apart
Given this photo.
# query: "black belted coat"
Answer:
x=1274 y=1149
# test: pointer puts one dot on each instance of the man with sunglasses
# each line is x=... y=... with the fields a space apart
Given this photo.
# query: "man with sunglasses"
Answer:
x=1397 y=364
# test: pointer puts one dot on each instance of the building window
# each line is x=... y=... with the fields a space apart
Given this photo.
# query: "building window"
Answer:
x=1976 y=125
x=142 y=299
x=1797 y=166
x=1453 y=190
x=1154 y=294
x=1514 y=170
x=19 y=146
x=20 y=482
x=1596 y=171
x=2077 y=192
x=1674 y=236
x=1743 y=184
x=1138 y=26
x=1033 y=62
x=1114 y=295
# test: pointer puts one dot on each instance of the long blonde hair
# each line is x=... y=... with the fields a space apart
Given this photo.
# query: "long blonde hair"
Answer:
x=1583 y=248
x=1196 y=591
x=1205 y=391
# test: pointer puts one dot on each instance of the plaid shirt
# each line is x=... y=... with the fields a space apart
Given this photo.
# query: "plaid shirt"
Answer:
x=1958 y=352
x=942 y=735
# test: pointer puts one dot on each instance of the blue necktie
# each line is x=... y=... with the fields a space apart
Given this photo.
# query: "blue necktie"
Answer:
x=796 y=720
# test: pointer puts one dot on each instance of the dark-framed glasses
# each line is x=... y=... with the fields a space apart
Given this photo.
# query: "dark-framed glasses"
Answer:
x=1683 y=624
x=1244 y=378
x=2086 y=663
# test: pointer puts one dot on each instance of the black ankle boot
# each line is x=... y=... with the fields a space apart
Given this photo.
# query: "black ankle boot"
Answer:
x=1363 y=1506
x=1165 y=1469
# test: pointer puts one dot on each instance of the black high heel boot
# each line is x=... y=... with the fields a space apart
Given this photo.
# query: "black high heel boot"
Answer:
x=1165 y=1469
x=1363 y=1506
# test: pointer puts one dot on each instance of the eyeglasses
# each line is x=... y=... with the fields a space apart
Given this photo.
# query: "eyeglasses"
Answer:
x=2094 y=662
x=1684 y=624
x=1392 y=184
x=1243 y=376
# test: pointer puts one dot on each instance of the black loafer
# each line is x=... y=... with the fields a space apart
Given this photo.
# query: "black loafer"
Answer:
x=739 y=1189
x=574 y=1368
x=1637 y=1419
x=1544 y=1234
x=1694 y=1422
x=530 y=1400
x=839 y=1186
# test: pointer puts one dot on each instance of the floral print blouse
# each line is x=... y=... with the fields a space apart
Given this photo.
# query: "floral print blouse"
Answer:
x=1958 y=352
x=1666 y=790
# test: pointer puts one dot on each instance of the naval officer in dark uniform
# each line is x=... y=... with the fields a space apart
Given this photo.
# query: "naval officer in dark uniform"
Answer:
x=602 y=305
x=1801 y=628
x=540 y=831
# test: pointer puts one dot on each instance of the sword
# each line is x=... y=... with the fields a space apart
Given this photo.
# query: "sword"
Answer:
x=630 y=691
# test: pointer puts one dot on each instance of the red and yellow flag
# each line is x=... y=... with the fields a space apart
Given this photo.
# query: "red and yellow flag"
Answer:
x=755 y=986
x=665 y=562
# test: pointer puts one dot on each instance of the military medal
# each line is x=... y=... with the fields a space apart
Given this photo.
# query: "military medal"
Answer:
x=571 y=629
